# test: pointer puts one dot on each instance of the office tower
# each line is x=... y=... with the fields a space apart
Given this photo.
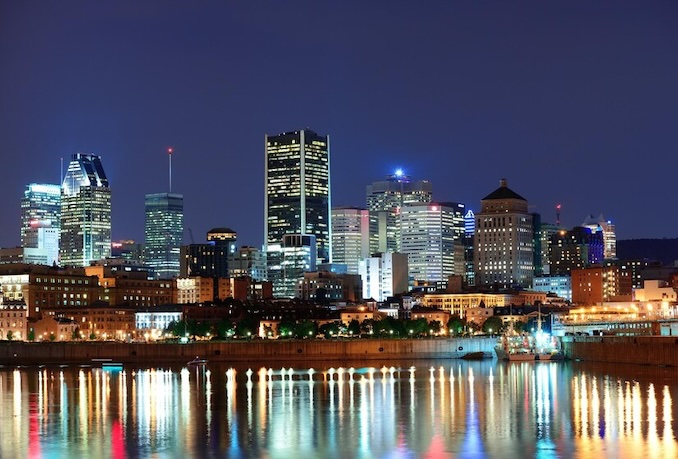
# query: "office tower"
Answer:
x=210 y=259
x=247 y=262
x=128 y=250
x=350 y=236
x=609 y=234
x=384 y=201
x=548 y=230
x=298 y=257
x=575 y=249
x=298 y=200
x=40 y=208
x=503 y=246
x=469 y=233
x=163 y=233
x=384 y=275
x=85 y=212
x=432 y=237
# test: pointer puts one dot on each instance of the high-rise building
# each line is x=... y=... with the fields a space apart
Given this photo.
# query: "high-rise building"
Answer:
x=432 y=237
x=298 y=199
x=85 y=212
x=40 y=208
x=350 y=236
x=469 y=234
x=503 y=246
x=546 y=233
x=163 y=232
x=609 y=234
x=384 y=275
x=384 y=200
x=210 y=259
x=247 y=262
x=575 y=249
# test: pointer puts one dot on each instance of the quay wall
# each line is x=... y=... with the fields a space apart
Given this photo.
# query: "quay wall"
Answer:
x=645 y=350
x=23 y=353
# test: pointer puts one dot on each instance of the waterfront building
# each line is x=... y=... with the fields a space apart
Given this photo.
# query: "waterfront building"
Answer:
x=350 y=236
x=432 y=237
x=46 y=286
x=384 y=275
x=96 y=321
x=607 y=228
x=459 y=303
x=575 y=249
x=655 y=290
x=503 y=245
x=163 y=233
x=561 y=286
x=384 y=200
x=151 y=323
x=129 y=285
x=298 y=199
x=13 y=320
x=431 y=315
x=85 y=212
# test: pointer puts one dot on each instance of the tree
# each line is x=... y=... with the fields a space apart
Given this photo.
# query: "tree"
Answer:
x=92 y=336
x=493 y=325
x=52 y=337
x=76 y=334
x=225 y=328
x=306 y=329
x=434 y=327
x=247 y=327
x=330 y=330
x=456 y=325
x=10 y=335
x=354 y=328
x=31 y=335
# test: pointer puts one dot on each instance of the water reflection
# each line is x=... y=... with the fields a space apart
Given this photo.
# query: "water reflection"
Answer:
x=449 y=409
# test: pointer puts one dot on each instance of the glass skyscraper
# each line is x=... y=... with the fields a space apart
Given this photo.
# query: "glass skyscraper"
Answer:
x=85 y=212
x=384 y=201
x=163 y=233
x=350 y=237
x=40 y=208
x=297 y=180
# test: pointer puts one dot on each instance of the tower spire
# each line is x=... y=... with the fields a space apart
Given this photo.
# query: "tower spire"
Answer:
x=169 y=153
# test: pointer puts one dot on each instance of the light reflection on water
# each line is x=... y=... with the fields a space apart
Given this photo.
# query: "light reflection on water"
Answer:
x=439 y=409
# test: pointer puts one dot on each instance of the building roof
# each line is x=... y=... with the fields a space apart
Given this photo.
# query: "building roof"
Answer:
x=220 y=230
x=503 y=192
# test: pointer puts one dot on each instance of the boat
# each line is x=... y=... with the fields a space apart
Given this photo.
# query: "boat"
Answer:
x=514 y=347
x=197 y=361
x=480 y=355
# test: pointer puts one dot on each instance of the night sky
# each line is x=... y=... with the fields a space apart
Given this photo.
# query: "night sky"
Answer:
x=573 y=102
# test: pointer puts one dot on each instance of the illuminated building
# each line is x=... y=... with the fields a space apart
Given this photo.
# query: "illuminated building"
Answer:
x=297 y=181
x=40 y=221
x=163 y=231
x=503 y=245
x=350 y=236
x=323 y=286
x=559 y=285
x=13 y=319
x=608 y=230
x=85 y=212
x=469 y=234
x=128 y=285
x=574 y=249
x=546 y=233
x=384 y=201
x=210 y=259
x=593 y=286
x=247 y=262
x=384 y=275
x=460 y=303
x=40 y=208
x=298 y=256
x=128 y=250
x=432 y=237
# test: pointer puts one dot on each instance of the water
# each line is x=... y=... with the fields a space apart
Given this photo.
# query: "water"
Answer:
x=414 y=409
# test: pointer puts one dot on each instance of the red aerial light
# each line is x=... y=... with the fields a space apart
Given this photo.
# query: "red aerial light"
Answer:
x=169 y=150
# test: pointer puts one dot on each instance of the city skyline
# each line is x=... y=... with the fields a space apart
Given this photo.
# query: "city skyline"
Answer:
x=458 y=95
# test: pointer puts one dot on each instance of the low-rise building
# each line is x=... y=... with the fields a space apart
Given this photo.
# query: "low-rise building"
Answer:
x=13 y=320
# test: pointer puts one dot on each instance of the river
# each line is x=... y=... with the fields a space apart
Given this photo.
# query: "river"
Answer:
x=449 y=408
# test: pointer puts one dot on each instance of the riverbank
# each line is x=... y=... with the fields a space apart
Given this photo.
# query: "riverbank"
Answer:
x=22 y=353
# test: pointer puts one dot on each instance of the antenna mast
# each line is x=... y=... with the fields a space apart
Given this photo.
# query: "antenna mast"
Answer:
x=61 y=172
x=169 y=151
x=558 y=215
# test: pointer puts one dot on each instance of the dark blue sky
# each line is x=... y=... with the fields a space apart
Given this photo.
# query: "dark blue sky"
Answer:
x=573 y=102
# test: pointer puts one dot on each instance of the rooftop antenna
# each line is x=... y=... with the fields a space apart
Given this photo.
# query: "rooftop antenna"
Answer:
x=558 y=215
x=169 y=152
x=61 y=172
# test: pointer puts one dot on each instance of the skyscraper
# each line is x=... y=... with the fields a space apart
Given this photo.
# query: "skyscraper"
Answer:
x=503 y=246
x=85 y=212
x=40 y=208
x=350 y=236
x=609 y=234
x=298 y=200
x=163 y=232
x=384 y=201
x=432 y=237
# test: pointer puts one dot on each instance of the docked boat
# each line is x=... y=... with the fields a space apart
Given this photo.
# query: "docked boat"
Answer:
x=515 y=347
x=480 y=355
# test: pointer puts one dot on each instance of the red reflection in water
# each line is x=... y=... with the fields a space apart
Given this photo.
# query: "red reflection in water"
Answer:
x=33 y=427
x=117 y=441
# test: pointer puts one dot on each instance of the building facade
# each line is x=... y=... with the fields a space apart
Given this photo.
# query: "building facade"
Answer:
x=41 y=220
x=298 y=200
x=85 y=212
x=575 y=249
x=350 y=236
x=607 y=228
x=163 y=233
x=503 y=245
x=384 y=275
x=384 y=200
x=432 y=237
